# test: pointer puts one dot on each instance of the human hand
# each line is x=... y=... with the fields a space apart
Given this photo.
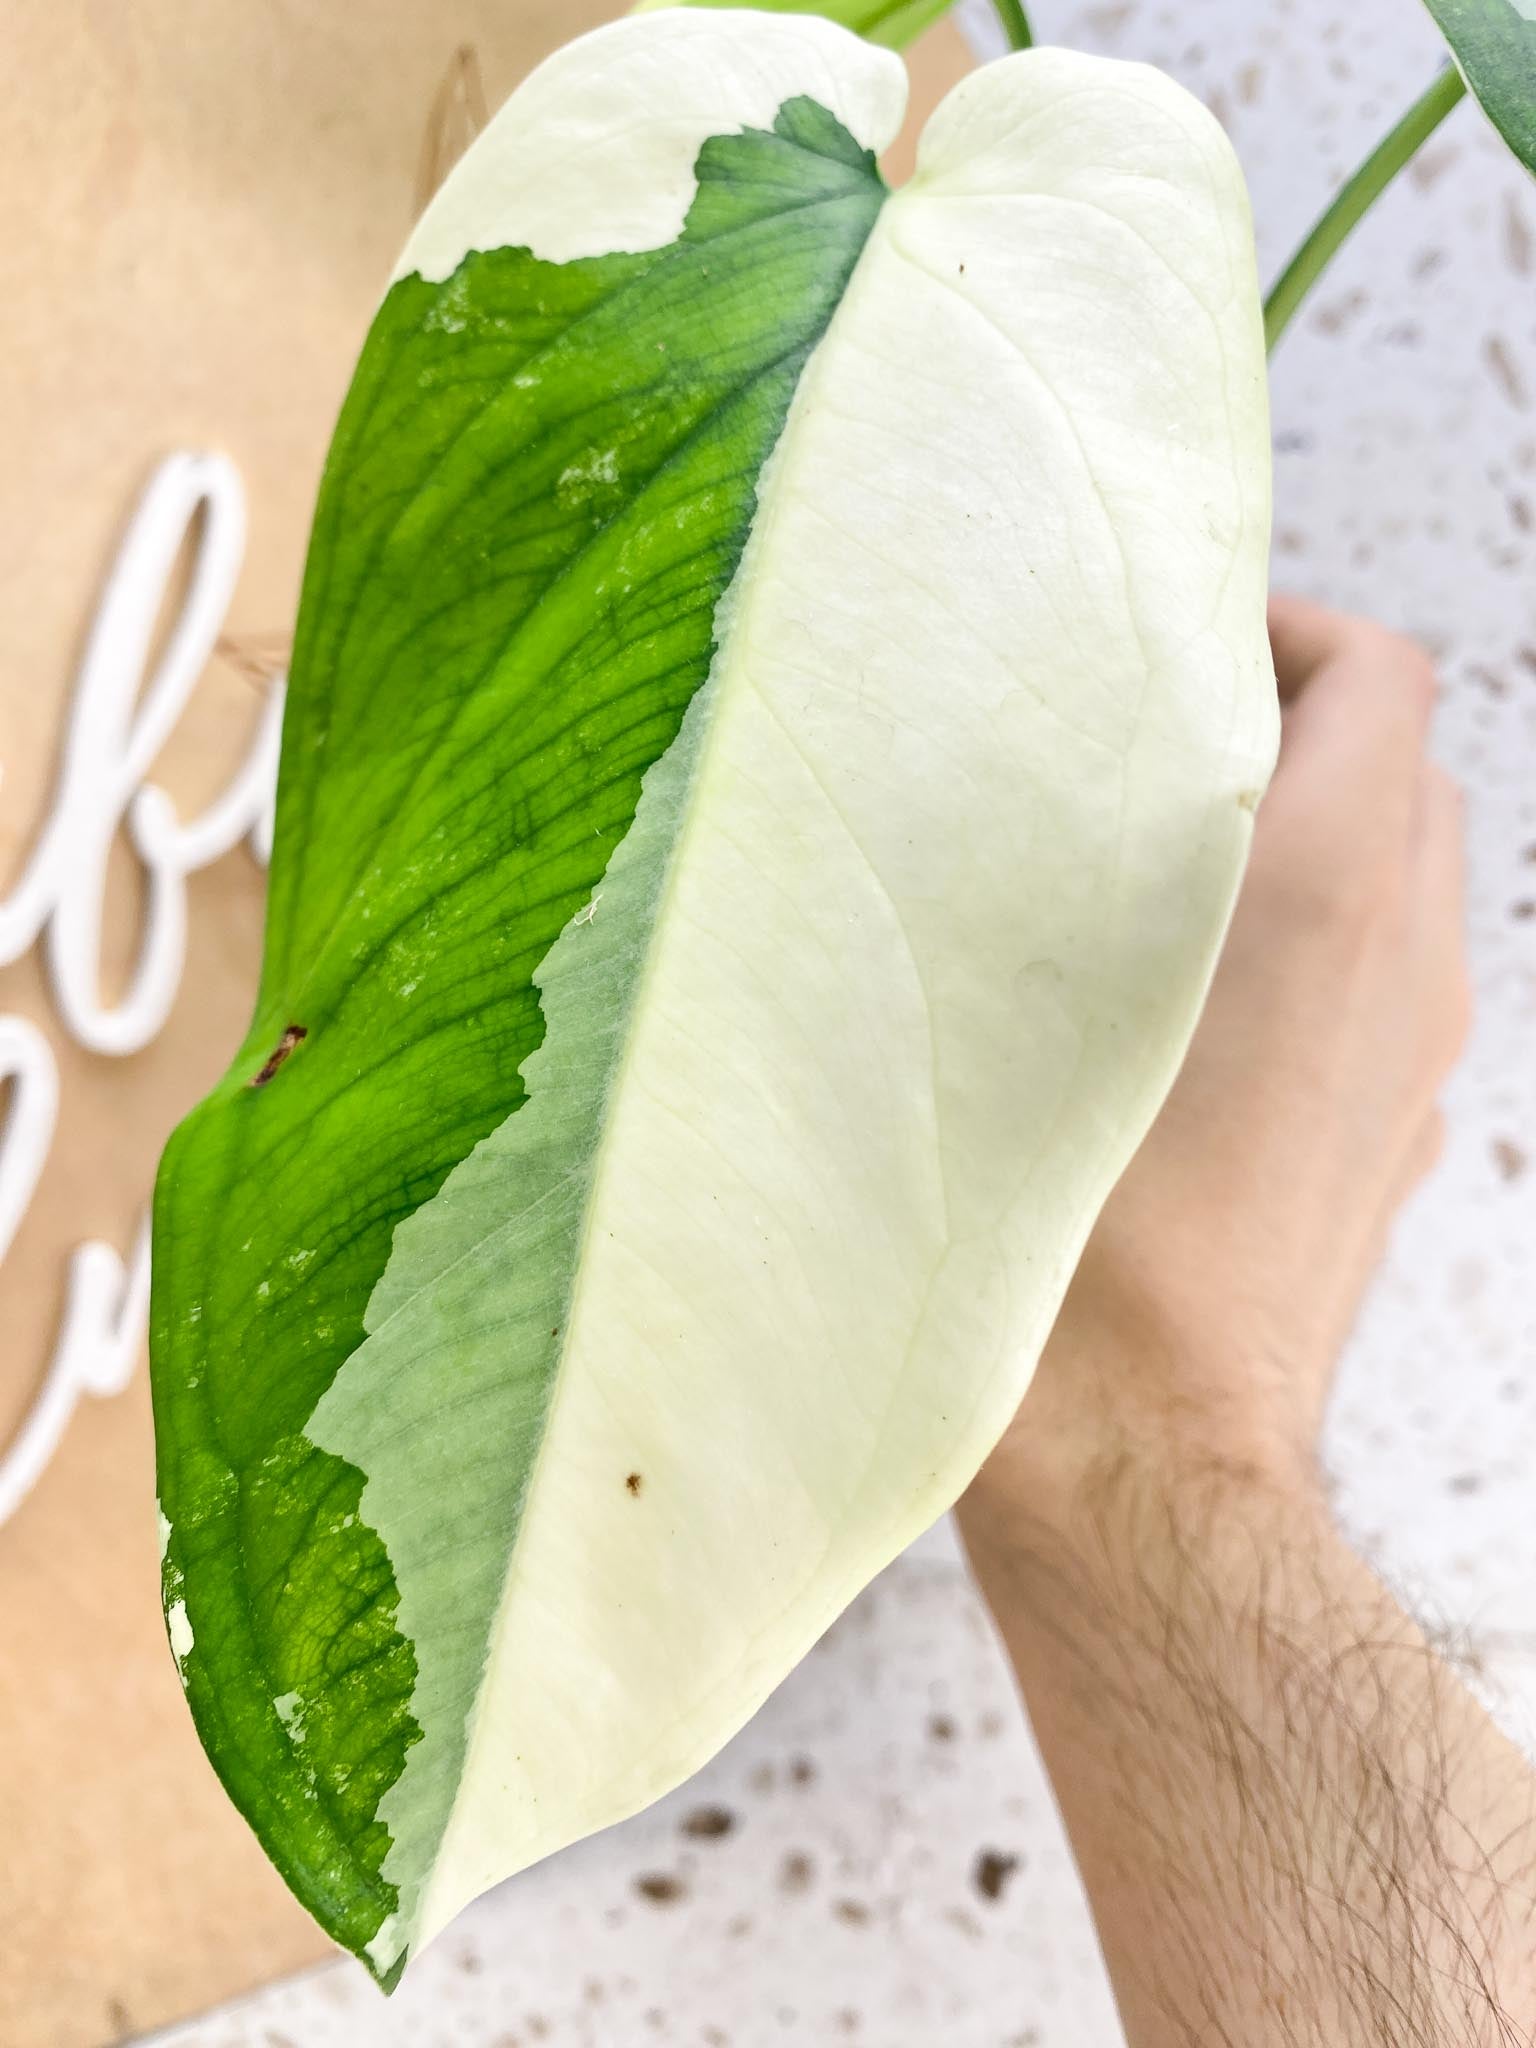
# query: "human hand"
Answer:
x=1294 y=1823
x=1216 y=1290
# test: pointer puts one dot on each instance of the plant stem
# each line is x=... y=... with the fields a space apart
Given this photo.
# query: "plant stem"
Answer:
x=1356 y=198
x=1015 y=24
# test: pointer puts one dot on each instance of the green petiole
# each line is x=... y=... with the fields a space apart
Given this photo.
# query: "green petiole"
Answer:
x=1015 y=24
x=1356 y=198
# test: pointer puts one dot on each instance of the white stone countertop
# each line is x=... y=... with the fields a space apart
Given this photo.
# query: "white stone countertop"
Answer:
x=876 y=1860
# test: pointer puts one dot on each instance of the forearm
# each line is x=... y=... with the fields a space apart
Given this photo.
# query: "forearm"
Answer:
x=1296 y=1827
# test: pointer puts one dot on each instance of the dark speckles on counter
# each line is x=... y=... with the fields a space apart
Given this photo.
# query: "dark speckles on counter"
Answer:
x=707 y=1823
x=1510 y=1159
x=661 y=1888
x=991 y=1872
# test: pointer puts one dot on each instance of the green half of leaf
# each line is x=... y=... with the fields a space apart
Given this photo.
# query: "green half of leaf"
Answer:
x=777 y=706
x=1494 y=44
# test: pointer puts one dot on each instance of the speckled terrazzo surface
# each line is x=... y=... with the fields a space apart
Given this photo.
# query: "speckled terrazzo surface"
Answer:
x=875 y=1860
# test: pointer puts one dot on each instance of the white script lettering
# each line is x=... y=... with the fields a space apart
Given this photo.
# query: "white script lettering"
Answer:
x=118 y=721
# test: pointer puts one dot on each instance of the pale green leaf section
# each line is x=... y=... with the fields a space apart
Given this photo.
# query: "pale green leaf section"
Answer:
x=896 y=965
x=477 y=1305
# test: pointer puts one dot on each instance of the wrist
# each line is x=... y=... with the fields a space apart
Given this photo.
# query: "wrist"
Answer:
x=1107 y=1459
x=1135 y=1545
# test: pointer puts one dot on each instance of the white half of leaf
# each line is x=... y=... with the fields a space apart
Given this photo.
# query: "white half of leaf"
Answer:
x=595 y=152
x=954 y=835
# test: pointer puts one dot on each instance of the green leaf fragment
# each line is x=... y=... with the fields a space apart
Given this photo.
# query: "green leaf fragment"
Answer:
x=1494 y=44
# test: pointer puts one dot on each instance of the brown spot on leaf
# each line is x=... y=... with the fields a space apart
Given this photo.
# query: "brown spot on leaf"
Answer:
x=634 y=1484
x=802 y=1771
x=940 y=1728
x=292 y=1037
x=708 y=1823
x=796 y=1872
x=991 y=1871
x=852 y=1912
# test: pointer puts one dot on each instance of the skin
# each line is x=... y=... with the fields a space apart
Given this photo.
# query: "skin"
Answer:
x=1295 y=1824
